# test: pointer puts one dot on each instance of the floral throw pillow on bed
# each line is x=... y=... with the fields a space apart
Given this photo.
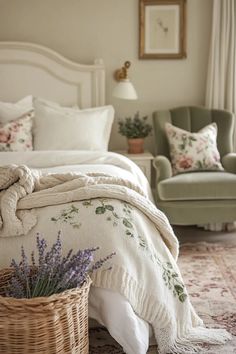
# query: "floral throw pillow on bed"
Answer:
x=193 y=151
x=16 y=135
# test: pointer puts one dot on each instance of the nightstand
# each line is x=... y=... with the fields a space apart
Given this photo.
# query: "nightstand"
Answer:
x=142 y=160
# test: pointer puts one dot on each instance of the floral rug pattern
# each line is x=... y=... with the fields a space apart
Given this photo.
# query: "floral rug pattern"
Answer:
x=209 y=272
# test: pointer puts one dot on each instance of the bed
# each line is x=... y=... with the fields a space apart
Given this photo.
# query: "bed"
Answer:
x=70 y=182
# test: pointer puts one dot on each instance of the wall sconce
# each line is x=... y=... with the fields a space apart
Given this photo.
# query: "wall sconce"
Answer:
x=124 y=89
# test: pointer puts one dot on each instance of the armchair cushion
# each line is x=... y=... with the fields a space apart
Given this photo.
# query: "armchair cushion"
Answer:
x=198 y=186
x=193 y=151
x=229 y=162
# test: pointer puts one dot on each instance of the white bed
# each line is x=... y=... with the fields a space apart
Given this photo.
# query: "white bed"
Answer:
x=27 y=69
x=45 y=73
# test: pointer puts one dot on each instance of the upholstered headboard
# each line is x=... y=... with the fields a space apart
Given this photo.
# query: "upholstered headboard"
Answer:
x=27 y=68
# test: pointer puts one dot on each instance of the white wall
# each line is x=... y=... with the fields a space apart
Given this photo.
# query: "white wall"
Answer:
x=108 y=29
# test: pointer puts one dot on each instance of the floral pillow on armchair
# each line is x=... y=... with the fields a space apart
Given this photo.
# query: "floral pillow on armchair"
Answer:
x=16 y=135
x=193 y=151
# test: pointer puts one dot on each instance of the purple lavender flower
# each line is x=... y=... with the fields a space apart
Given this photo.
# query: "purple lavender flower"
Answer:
x=33 y=259
x=16 y=290
x=54 y=273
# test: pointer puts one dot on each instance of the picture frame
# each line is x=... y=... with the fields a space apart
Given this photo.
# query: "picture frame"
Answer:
x=162 y=29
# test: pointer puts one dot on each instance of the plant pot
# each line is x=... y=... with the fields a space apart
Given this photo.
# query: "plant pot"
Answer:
x=136 y=146
x=57 y=324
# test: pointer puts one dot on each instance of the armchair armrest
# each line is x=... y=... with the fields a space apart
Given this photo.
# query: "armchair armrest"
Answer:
x=229 y=162
x=163 y=168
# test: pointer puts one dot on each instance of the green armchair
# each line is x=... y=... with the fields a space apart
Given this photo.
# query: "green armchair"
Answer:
x=196 y=197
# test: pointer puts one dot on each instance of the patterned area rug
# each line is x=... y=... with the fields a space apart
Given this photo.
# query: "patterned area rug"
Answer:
x=209 y=271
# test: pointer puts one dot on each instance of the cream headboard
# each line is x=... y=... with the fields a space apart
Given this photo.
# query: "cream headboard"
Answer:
x=27 y=68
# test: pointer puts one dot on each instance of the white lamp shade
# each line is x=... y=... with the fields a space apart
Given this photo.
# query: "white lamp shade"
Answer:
x=125 y=90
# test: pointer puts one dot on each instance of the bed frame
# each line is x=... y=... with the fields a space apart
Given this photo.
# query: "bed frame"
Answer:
x=30 y=69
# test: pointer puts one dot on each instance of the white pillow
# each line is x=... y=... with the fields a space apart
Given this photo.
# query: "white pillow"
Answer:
x=11 y=111
x=72 y=129
x=52 y=104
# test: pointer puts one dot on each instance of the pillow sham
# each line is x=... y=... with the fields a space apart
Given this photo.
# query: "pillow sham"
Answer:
x=16 y=135
x=193 y=151
x=87 y=129
x=11 y=111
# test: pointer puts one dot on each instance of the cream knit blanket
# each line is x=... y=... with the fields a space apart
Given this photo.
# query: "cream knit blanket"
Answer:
x=25 y=190
x=176 y=326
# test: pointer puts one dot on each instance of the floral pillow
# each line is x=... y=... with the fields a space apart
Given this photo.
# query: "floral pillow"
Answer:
x=16 y=135
x=193 y=151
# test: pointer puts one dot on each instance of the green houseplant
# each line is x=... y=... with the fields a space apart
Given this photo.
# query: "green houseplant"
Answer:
x=135 y=130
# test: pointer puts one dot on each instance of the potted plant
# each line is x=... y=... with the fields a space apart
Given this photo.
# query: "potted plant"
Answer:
x=44 y=307
x=135 y=129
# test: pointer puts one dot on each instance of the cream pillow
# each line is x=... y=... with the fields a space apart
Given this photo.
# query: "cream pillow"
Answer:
x=11 y=111
x=193 y=151
x=72 y=129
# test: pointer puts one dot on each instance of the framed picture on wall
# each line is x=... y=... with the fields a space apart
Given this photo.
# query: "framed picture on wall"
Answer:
x=162 y=29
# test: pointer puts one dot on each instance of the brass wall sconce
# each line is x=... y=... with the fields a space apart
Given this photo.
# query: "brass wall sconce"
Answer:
x=124 y=89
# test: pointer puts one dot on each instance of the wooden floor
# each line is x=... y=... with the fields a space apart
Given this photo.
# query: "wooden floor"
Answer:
x=195 y=234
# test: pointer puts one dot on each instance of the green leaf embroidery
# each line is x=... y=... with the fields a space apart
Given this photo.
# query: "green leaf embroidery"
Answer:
x=109 y=207
x=87 y=203
x=175 y=275
x=100 y=210
x=127 y=223
x=182 y=297
x=142 y=244
x=179 y=289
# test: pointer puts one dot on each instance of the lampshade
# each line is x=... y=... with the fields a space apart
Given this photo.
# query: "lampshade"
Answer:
x=125 y=90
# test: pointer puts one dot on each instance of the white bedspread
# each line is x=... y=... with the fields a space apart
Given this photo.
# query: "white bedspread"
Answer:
x=112 y=212
x=136 y=340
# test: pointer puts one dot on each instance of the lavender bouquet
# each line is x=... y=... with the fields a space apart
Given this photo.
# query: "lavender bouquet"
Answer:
x=53 y=273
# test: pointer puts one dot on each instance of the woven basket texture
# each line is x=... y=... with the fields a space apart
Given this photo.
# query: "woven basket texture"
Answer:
x=57 y=324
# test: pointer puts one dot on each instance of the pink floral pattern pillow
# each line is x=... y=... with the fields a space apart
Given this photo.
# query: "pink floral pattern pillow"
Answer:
x=17 y=134
x=193 y=151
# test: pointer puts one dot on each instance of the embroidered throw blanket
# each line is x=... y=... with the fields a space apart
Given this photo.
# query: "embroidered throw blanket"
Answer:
x=155 y=290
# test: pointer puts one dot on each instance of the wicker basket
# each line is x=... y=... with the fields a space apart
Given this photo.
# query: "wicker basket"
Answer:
x=57 y=324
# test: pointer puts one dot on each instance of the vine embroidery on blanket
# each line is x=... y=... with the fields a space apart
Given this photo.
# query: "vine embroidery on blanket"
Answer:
x=169 y=274
x=126 y=220
x=68 y=215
